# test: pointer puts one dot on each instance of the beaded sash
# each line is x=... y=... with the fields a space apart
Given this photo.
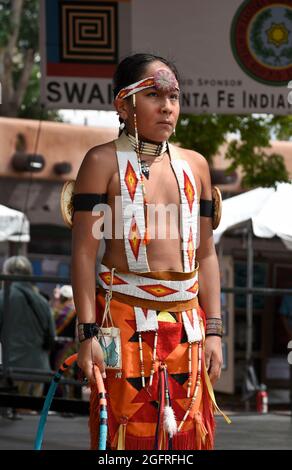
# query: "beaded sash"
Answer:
x=145 y=287
x=133 y=207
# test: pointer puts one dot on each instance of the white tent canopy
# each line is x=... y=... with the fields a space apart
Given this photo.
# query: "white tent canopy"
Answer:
x=14 y=225
x=268 y=208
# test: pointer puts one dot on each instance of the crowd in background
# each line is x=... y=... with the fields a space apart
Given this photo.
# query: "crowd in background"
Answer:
x=37 y=333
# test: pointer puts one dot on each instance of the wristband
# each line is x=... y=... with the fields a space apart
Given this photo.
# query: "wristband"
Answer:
x=87 y=331
x=214 y=327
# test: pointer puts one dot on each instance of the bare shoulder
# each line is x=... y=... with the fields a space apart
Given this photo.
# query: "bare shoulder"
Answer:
x=195 y=159
x=96 y=169
x=200 y=168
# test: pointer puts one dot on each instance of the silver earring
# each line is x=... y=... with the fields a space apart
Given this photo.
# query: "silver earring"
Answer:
x=122 y=126
x=173 y=132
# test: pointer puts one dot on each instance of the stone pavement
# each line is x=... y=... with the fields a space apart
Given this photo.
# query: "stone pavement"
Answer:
x=247 y=431
x=254 y=431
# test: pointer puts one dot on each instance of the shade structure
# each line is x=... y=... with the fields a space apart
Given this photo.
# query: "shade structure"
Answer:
x=14 y=225
x=266 y=213
x=269 y=210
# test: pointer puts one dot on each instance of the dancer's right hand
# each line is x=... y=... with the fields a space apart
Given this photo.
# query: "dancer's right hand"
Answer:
x=90 y=353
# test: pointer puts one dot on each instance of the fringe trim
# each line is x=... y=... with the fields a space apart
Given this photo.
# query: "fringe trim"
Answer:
x=206 y=424
x=200 y=437
x=122 y=437
x=212 y=396
x=181 y=441
x=201 y=431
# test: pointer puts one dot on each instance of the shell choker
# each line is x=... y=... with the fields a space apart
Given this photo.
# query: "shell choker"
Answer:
x=147 y=148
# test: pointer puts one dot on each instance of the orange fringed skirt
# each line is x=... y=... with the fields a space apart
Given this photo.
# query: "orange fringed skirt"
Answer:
x=134 y=410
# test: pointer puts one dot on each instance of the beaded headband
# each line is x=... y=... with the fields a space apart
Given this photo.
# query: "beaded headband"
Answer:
x=162 y=80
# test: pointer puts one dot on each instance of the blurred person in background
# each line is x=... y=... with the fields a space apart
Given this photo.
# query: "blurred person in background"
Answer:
x=64 y=312
x=29 y=333
x=65 y=323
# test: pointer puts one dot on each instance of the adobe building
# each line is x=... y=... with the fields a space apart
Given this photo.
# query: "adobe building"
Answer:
x=34 y=164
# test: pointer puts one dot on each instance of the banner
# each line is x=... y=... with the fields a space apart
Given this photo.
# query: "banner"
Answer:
x=233 y=56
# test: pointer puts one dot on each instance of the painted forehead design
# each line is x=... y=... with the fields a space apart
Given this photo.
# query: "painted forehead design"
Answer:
x=162 y=79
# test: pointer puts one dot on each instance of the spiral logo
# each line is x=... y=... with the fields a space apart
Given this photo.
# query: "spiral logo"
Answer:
x=89 y=31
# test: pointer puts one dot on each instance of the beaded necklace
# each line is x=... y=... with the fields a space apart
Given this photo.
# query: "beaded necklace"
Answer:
x=147 y=148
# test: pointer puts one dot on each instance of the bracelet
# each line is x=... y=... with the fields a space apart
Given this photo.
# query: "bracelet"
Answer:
x=87 y=331
x=214 y=334
x=214 y=327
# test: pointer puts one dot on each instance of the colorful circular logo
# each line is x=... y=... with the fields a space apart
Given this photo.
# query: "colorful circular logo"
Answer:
x=261 y=39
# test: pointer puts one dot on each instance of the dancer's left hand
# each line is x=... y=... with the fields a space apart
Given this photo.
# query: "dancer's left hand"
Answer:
x=213 y=357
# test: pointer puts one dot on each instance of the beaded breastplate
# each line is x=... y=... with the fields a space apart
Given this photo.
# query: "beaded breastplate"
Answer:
x=133 y=207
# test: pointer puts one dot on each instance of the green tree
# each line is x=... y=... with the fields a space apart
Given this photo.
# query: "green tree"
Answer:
x=20 y=60
x=247 y=138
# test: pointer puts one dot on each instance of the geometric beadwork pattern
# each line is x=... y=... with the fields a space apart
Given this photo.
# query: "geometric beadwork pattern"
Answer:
x=131 y=180
x=134 y=238
x=106 y=277
x=191 y=248
x=132 y=206
x=158 y=290
x=194 y=288
x=189 y=207
x=133 y=217
x=89 y=32
x=189 y=191
x=152 y=289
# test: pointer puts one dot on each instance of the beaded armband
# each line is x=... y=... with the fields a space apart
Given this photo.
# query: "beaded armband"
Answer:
x=214 y=327
x=87 y=330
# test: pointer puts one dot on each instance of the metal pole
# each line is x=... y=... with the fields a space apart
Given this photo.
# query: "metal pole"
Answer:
x=249 y=303
x=290 y=366
x=249 y=297
x=6 y=328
